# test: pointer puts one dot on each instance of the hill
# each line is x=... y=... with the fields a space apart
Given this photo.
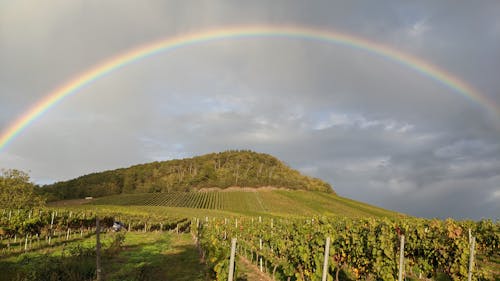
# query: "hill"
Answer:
x=219 y=170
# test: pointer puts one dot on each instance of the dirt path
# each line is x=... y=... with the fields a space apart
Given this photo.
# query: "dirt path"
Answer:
x=249 y=272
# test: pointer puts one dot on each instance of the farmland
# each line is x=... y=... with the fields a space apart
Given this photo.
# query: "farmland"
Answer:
x=285 y=246
x=257 y=201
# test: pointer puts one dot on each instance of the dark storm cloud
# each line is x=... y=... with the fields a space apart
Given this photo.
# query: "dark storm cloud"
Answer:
x=377 y=131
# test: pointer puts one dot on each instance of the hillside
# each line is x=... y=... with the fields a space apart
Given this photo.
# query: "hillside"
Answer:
x=220 y=170
x=262 y=201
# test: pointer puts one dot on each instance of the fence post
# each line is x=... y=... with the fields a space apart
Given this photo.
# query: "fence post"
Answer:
x=471 y=257
x=231 y=260
x=401 y=258
x=26 y=243
x=260 y=256
x=325 y=262
x=98 y=249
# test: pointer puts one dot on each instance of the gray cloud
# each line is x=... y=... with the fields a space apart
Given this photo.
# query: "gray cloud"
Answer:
x=378 y=131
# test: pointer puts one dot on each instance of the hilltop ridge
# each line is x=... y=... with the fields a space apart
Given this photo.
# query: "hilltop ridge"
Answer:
x=234 y=168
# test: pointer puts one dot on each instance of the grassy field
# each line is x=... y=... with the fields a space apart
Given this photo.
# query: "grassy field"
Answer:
x=141 y=256
x=256 y=202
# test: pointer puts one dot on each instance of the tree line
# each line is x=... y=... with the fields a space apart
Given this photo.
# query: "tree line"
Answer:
x=224 y=169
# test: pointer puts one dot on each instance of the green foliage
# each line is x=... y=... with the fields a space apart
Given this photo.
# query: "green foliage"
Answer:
x=222 y=170
x=49 y=268
x=16 y=191
x=367 y=248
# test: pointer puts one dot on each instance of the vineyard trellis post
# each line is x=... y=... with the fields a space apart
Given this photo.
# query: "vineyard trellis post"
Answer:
x=401 y=258
x=260 y=256
x=325 y=262
x=98 y=250
x=26 y=243
x=231 y=260
x=471 y=257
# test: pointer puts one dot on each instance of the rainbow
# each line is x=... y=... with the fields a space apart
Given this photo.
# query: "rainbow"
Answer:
x=328 y=36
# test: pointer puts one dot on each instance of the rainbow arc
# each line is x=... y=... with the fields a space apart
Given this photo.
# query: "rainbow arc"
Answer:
x=328 y=36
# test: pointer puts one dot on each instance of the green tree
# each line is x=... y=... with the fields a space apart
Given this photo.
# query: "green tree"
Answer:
x=16 y=191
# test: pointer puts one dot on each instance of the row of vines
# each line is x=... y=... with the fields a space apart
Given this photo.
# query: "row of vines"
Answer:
x=367 y=249
x=199 y=200
x=23 y=230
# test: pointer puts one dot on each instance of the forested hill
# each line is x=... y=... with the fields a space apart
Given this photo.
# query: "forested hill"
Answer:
x=222 y=170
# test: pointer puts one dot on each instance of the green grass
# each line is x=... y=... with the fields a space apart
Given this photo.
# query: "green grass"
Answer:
x=258 y=202
x=156 y=256
x=142 y=256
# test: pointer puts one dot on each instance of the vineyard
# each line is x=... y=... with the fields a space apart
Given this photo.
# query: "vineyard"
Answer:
x=283 y=248
x=25 y=230
x=360 y=249
x=252 y=202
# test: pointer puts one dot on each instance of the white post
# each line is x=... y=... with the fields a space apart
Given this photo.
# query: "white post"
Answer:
x=26 y=243
x=260 y=219
x=236 y=221
x=260 y=256
x=231 y=259
x=471 y=257
x=325 y=262
x=52 y=221
x=67 y=233
x=401 y=258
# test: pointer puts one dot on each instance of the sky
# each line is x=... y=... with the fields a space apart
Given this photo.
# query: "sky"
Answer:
x=376 y=130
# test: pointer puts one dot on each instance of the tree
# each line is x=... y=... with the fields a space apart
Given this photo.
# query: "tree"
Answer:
x=16 y=191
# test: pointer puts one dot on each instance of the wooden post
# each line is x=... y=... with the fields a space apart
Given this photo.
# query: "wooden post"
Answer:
x=325 y=262
x=98 y=250
x=67 y=233
x=471 y=257
x=401 y=258
x=231 y=259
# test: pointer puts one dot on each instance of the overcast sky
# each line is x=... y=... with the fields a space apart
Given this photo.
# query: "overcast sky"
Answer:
x=377 y=131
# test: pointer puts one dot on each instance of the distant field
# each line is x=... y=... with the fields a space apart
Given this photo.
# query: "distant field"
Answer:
x=278 y=202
